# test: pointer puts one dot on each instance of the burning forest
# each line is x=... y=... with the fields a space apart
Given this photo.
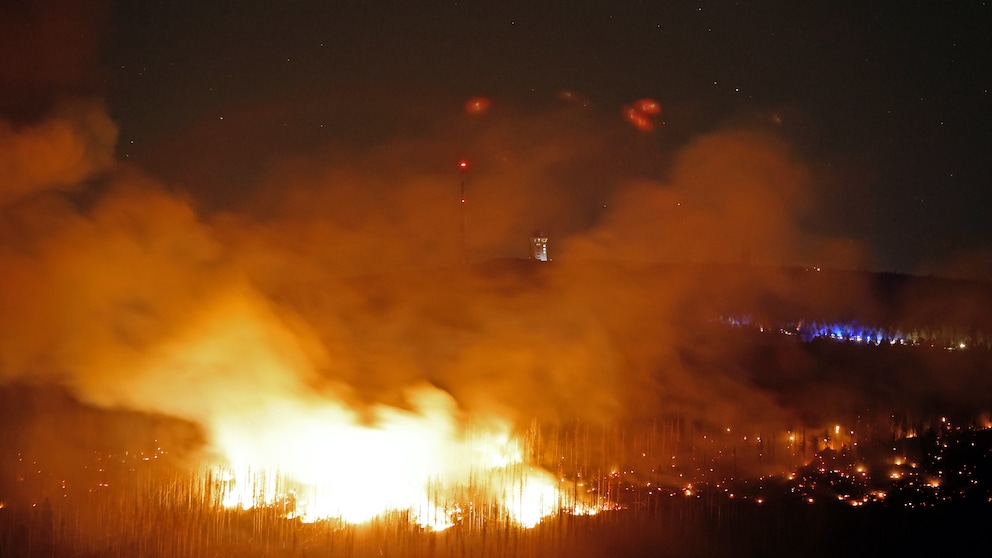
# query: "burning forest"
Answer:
x=304 y=325
x=245 y=443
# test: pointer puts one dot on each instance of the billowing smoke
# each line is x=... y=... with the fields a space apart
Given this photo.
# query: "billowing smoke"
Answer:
x=342 y=280
x=332 y=271
x=75 y=142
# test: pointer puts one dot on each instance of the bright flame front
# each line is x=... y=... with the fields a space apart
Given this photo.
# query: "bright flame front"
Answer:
x=320 y=461
x=285 y=439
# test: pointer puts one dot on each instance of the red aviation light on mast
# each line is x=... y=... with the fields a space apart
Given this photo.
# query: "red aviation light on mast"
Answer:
x=463 y=166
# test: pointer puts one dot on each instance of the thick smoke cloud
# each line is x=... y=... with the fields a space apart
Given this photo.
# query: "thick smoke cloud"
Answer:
x=335 y=275
x=75 y=142
x=729 y=196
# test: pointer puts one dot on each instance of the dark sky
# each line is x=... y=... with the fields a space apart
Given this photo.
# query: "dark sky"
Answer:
x=886 y=104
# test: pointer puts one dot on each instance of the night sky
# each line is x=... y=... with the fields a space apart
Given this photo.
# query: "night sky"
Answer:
x=885 y=106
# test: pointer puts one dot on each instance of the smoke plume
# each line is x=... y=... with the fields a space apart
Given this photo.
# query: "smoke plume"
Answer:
x=334 y=275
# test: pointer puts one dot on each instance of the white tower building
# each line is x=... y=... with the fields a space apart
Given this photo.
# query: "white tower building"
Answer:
x=539 y=247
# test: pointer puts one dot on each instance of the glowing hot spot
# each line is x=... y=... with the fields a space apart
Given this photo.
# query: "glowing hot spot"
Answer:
x=321 y=462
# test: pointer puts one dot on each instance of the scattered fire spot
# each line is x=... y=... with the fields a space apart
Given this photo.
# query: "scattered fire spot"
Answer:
x=641 y=113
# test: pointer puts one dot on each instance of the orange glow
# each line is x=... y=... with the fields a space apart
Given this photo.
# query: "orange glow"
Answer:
x=638 y=119
x=648 y=106
x=640 y=113
x=477 y=105
x=320 y=462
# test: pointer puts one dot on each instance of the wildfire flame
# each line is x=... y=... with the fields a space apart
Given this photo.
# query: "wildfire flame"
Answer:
x=286 y=437
x=322 y=462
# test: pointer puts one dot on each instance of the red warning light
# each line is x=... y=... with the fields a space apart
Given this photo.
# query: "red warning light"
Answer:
x=463 y=164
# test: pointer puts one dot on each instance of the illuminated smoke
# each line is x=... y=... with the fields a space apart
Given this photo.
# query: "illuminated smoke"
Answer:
x=728 y=193
x=499 y=344
x=327 y=301
x=75 y=142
